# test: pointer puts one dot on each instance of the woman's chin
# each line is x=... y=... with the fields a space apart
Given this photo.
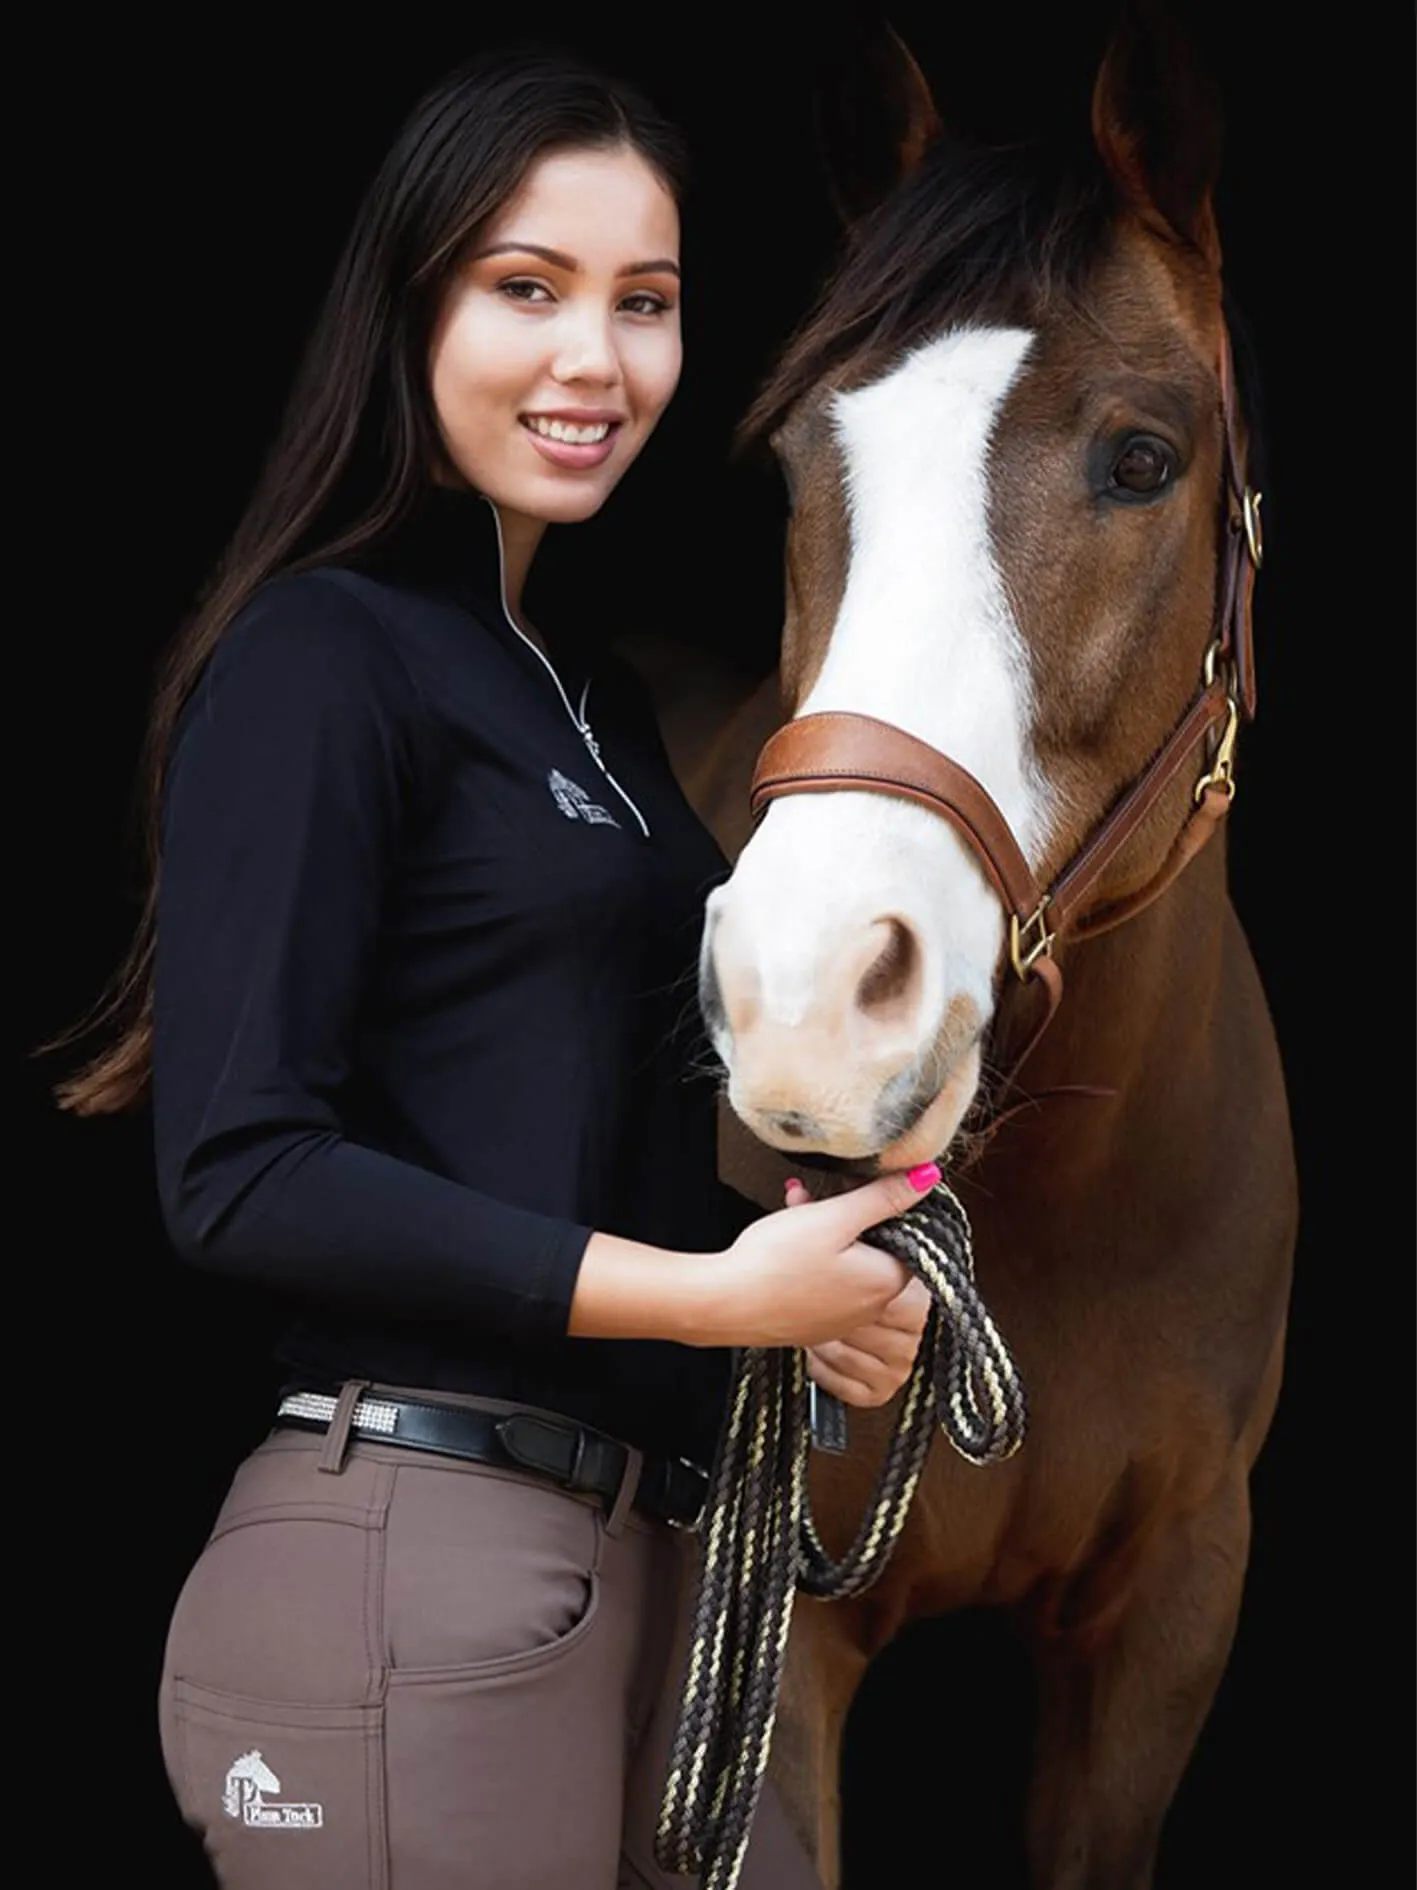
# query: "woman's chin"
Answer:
x=572 y=508
x=560 y=500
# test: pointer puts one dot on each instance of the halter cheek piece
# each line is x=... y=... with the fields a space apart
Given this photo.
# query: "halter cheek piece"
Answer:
x=818 y=754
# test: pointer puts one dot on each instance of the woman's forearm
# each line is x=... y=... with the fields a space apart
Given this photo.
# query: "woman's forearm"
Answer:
x=797 y=1277
x=627 y=1290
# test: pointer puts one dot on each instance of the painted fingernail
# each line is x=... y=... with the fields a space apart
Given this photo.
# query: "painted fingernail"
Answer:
x=792 y=1182
x=924 y=1177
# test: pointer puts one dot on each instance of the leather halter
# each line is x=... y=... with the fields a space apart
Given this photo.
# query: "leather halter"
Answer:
x=837 y=750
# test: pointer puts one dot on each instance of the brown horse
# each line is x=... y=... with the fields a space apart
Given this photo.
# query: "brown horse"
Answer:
x=1004 y=434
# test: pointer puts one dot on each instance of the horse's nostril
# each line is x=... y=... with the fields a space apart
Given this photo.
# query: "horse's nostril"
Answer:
x=888 y=985
x=791 y=1122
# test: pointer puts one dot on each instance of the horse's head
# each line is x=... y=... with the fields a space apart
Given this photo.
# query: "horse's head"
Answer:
x=1003 y=436
x=246 y=1778
x=253 y=1768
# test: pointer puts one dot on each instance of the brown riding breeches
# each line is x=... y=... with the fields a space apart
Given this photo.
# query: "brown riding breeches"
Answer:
x=403 y=1672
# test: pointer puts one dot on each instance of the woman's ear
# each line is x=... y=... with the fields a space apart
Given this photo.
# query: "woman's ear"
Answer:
x=875 y=116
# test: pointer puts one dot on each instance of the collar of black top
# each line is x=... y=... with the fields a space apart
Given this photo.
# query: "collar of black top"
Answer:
x=573 y=1456
x=448 y=545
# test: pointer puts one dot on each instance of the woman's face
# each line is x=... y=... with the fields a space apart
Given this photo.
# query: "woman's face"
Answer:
x=558 y=345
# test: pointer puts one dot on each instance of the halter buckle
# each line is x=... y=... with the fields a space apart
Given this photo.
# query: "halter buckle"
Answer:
x=1250 y=504
x=1024 y=951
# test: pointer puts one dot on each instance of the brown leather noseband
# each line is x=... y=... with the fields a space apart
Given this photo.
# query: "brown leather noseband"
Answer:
x=837 y=750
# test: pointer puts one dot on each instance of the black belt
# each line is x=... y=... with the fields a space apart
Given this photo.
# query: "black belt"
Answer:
x=569 y=1454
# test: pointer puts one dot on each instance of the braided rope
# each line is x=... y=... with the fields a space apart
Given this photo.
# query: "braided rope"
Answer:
x=760 y=1542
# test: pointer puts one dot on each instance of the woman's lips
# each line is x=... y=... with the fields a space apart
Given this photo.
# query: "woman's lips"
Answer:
x=575 y=457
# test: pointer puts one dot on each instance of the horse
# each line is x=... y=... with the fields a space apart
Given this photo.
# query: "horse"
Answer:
x=1019 y=539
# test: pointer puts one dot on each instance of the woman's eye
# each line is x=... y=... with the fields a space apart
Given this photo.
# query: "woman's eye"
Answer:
x=645 y=304
x=1144 y=466
x=520 y=289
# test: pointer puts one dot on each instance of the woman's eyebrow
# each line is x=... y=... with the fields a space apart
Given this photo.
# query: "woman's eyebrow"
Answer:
x=658 y=265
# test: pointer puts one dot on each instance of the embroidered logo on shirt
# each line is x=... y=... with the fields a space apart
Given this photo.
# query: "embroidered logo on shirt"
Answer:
x=248 y=1779
x=575 y=803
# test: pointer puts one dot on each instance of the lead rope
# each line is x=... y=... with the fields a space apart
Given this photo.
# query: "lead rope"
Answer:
x=760 y=1541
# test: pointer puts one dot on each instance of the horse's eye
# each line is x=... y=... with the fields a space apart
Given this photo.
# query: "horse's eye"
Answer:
x=1144 y=466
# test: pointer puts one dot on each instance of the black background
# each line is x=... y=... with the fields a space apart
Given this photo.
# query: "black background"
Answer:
x=193 y=187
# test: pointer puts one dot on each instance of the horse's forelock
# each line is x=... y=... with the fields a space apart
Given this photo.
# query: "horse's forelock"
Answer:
x=983 y=236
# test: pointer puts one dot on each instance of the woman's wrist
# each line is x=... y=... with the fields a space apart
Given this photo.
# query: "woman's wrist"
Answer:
x=626 y=1289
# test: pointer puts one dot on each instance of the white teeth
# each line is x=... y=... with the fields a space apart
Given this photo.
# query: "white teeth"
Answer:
x=563 y=430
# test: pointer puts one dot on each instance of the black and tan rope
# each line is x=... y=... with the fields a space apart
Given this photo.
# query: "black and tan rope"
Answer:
x=760 y=1543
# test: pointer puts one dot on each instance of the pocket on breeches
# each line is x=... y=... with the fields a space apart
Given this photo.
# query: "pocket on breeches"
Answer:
x=285 y=1797
x=484 y=1569
x=506 y=1686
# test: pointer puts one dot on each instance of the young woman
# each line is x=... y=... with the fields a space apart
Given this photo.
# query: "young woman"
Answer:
x=411 y=992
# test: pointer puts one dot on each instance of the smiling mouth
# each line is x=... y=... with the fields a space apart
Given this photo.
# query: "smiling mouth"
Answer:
x=569 y=432
x=571 y=446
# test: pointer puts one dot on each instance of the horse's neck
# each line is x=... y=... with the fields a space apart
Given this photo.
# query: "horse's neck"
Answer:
x=1156 y=1013
x=1143 y=994
x=713 y=720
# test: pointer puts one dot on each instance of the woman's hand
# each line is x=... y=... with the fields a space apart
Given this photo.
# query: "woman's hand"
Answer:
x=804 y=1277
x=800 y=1277
x=868 y=1365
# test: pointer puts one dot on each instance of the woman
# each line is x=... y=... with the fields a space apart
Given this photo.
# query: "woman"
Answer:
x=411 y=991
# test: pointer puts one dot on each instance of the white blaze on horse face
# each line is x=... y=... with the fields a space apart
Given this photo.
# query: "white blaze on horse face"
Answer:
x=925 y=639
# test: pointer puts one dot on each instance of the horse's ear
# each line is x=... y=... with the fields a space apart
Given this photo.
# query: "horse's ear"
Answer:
x=1156 y=124
x=875 y=116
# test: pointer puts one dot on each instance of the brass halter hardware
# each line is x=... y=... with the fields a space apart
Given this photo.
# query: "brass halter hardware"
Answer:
x=1250 y=504
x=1023 y=956
x=1221 y=772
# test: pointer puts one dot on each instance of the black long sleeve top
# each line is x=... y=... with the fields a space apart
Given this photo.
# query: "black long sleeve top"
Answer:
x=425 y=988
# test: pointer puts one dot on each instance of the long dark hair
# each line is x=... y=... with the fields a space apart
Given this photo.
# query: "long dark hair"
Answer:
x=357 y=444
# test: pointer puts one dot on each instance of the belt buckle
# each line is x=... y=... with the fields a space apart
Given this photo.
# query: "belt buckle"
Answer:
x=692 y=1527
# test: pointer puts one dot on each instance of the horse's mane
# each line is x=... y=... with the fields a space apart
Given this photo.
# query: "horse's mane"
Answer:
x=991 y=235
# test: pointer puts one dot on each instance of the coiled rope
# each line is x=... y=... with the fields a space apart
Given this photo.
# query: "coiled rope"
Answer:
x=760 y=1542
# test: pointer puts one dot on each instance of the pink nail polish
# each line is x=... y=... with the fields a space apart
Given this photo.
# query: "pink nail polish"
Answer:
x=923 y=1178
x=792 y=1182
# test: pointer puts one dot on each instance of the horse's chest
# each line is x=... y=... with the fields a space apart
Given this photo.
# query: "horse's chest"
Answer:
x=1120 y=1435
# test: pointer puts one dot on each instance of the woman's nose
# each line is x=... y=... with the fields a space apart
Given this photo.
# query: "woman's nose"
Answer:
x=587 y=352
